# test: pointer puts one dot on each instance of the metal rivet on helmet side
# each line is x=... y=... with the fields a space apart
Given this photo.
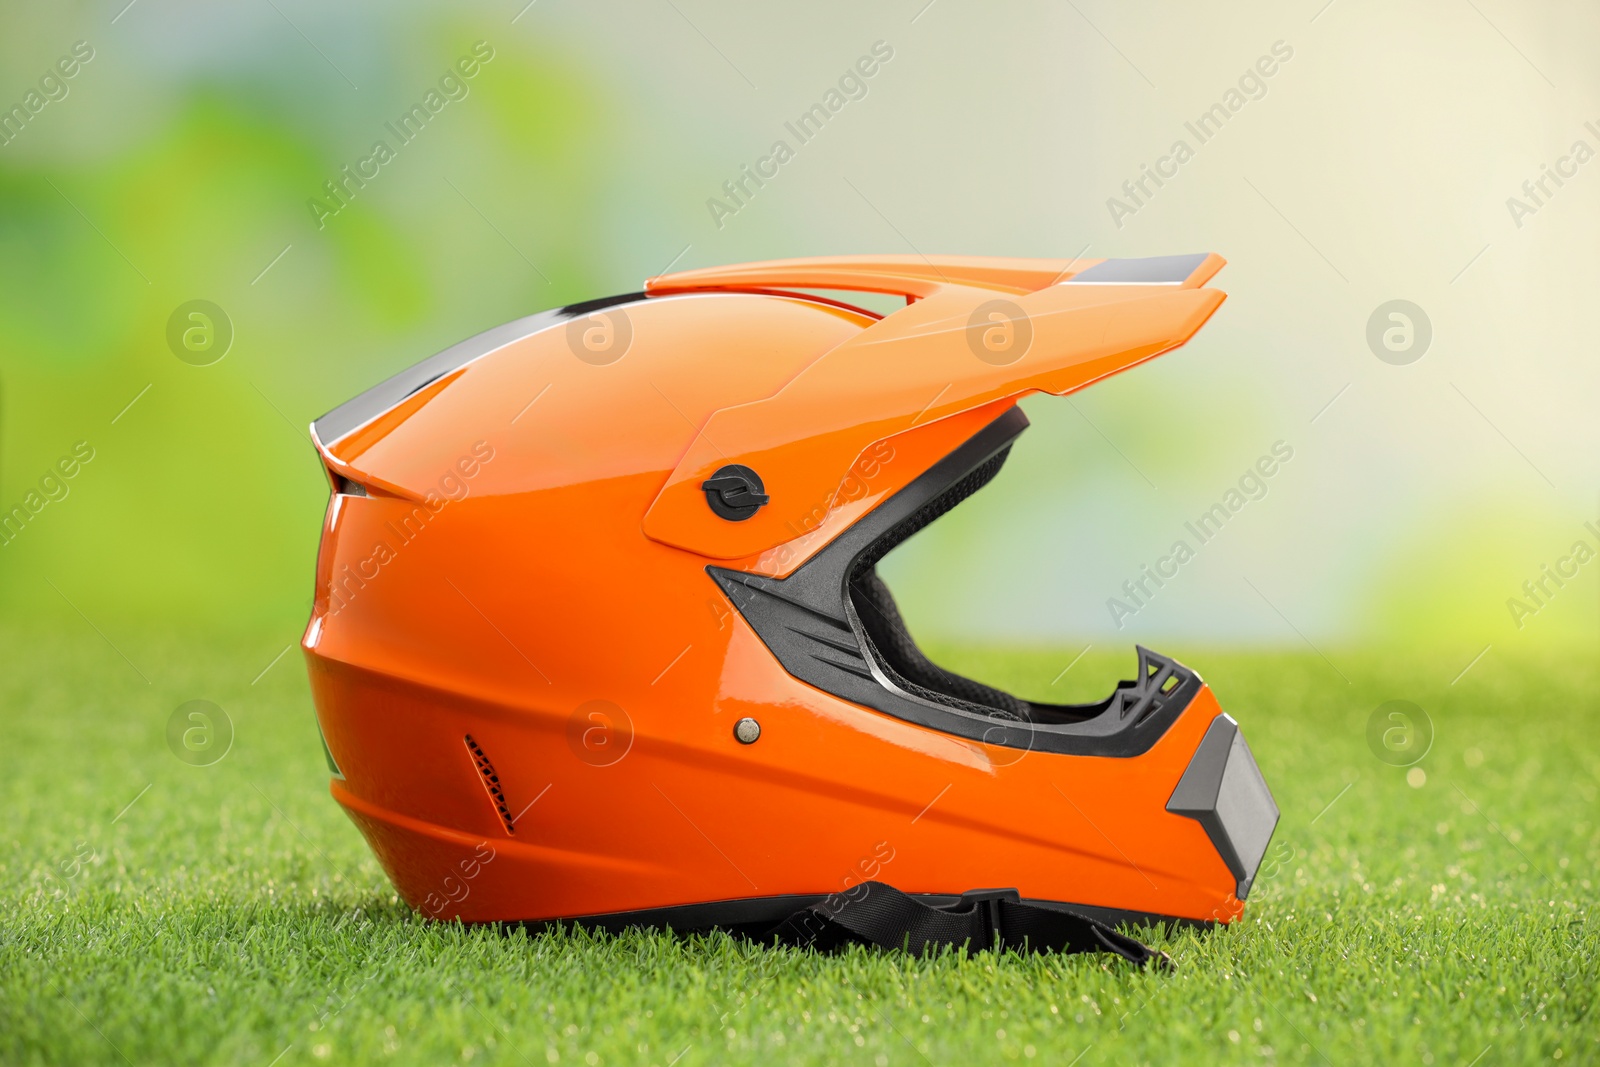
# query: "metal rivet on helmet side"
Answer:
x=747 y=731
x=735 y=492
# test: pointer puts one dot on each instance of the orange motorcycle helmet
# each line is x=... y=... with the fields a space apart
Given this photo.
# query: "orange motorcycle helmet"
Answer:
x=598 y=633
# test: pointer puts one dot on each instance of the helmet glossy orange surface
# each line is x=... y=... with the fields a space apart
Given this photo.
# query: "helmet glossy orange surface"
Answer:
x=566 y=559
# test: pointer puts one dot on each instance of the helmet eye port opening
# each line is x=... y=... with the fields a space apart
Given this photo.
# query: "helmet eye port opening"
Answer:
x=833 y=623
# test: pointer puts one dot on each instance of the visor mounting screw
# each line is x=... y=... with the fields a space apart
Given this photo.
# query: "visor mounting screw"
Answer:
x=746 y=731
x=735 y=492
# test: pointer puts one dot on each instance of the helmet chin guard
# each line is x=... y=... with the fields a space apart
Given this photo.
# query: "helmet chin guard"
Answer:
x=599 y=634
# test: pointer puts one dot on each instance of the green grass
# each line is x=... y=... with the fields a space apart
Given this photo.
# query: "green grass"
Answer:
x=233 y=915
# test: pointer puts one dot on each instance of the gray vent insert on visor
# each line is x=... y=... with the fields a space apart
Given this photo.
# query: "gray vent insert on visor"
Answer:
x=1151 y=270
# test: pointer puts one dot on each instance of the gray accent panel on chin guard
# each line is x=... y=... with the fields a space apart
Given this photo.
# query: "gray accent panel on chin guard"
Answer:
x=1152 y=270
x=1222 y=789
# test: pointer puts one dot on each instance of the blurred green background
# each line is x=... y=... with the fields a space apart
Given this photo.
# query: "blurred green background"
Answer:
x=210 y=922
x=1374 y=164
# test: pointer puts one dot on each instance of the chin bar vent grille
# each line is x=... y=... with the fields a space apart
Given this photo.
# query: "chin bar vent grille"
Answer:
x=491 y=782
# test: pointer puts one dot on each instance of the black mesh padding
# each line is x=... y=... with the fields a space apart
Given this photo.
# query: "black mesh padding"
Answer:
x=917 y=674
x=892 y=643
x=976 y=479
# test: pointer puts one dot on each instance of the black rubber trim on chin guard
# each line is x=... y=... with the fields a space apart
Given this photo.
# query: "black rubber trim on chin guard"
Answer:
x=833 y=624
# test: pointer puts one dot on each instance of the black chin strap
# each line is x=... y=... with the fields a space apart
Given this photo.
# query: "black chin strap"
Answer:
x=877 y=914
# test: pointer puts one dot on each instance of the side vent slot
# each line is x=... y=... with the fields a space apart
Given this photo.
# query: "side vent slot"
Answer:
x=491 y=783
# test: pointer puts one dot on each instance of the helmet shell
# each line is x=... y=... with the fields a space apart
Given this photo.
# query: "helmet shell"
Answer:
x=529 y=681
